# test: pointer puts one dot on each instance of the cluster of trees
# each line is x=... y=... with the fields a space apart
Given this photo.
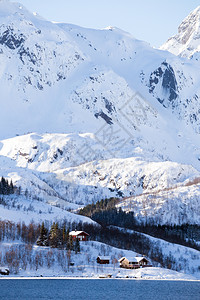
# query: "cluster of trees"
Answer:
x=19 y=231
x=24 y=256
x=91 y=209
x=57 y=237
x=6 y=187
x=185 y=234
x=105 y=213
x=115 y=217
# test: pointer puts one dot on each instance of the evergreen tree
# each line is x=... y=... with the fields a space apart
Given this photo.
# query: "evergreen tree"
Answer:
x=77 y=246
x=42 y=240
x=70 y=244
x=6 y=188
x=67 y=235
x=64 y=236
x=67 y=240
x=59 y=236
x=53 y=236
x=19 y=190
x=11 y=187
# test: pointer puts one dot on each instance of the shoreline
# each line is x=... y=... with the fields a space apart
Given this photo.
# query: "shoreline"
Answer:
x=91 y=278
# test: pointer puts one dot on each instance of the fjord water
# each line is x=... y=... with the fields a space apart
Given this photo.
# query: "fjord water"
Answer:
x=98 y=289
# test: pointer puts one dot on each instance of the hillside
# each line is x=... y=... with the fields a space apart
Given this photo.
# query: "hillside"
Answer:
x=52 y=262
x=89 y=114
x=61 y=256
x=50 y=168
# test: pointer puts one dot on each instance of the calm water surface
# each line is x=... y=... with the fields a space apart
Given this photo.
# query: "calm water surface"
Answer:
x=98 y=289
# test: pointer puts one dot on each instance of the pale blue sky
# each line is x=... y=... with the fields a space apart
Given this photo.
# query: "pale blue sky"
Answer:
x=151 y=20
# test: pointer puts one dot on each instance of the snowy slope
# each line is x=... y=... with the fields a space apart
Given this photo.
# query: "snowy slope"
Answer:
x=111 y=116
x=184 y=259
x=35 y=54
x=187 y=42
x=58 y=161
x=176 y=205
x=29 y=208
x=69 y=79
x=53 y=170
x=53 y=262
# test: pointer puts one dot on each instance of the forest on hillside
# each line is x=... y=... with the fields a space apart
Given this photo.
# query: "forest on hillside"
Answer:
x=55 y=236
x=105 y=213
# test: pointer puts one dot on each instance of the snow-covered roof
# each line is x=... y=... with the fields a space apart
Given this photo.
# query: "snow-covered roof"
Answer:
x=135 y=259
x=104 y=257
x=76 y=232
x=3 y=269
x=132 y=259
x=139 y=258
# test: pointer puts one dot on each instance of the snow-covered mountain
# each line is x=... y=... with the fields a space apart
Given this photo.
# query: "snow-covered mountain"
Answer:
x=187 y=42
x=63 y=78
x=98 y=113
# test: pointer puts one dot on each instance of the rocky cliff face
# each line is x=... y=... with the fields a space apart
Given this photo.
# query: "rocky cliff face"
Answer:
x=164 y=76
x=187 y=42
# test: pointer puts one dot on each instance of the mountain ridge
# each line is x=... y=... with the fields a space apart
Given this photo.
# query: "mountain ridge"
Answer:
x=186 y=42
x=97 y=113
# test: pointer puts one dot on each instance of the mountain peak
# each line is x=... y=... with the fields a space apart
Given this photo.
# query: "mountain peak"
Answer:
x=187 y=41
x=196 y=10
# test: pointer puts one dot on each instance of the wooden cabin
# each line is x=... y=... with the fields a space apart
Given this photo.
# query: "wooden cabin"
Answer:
x=134 y=262
x=103 y=260
x=81 y=235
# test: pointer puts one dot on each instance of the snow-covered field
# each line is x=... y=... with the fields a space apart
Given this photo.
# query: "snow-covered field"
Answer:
x=47 y=262
x=182 y=258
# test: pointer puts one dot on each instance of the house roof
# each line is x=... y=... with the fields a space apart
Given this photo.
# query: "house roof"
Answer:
x=76 y=232
x=135 y=259
x=4 y=269
x=128 y=258
x=104 y=257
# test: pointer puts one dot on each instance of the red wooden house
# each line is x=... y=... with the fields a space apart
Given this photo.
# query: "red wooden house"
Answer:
x=81 y=235
x=103 y=260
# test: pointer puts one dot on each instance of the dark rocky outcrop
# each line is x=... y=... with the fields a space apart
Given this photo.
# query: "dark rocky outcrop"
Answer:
x=11 y=39
x=104 y=116
x=166 y=77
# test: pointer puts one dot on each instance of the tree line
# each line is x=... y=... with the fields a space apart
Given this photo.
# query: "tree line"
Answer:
x=106 y=204
x=105 y=213
x=57 y=237
x=6 y=187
